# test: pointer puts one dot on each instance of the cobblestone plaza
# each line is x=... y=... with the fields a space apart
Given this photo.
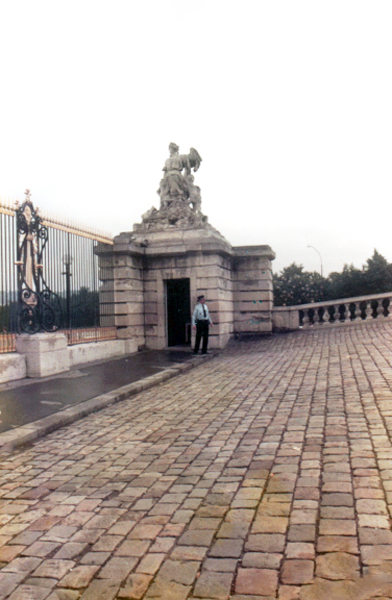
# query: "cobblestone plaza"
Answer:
x=263 y=473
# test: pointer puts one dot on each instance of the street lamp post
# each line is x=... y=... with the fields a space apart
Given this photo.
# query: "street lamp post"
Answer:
x=321 y=262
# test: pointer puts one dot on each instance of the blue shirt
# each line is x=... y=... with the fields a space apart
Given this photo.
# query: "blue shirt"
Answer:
x=198 y=314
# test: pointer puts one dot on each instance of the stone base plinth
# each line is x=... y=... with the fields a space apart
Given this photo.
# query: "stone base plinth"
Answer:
x=285 y=318
x=46 y=353
x=12 y=366
x=85 y=353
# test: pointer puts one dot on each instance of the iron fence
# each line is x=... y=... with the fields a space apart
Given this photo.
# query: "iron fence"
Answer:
x=71 y=270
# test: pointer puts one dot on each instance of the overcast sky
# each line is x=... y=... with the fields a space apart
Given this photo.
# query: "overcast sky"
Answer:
x=289 y=104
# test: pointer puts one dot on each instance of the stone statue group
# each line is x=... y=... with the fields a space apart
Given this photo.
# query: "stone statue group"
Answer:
x=180 y=197
x=177 y=182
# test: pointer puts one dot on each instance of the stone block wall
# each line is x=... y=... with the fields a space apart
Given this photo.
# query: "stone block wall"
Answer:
x=158 y=269
x=208 y=274
x=121 y=274
x=285 y=318
x=214 y=279
x=237 y=283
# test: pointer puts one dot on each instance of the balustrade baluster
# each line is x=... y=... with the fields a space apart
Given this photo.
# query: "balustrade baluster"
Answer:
x=369 y=309
x=347 y=313
x=358 y=311
x=336 y=314
x=380 y=308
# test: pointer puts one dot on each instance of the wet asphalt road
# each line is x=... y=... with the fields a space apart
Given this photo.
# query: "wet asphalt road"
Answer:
x=28 y=400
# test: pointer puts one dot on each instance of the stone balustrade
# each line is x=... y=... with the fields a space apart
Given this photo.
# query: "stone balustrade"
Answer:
x=332 y=312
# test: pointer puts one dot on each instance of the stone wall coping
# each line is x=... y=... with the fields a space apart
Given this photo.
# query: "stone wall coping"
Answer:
x=210 y=242
x=208 y=247
x=245 y=251
x=289 y=308
x=153 y=252
x=125 y=249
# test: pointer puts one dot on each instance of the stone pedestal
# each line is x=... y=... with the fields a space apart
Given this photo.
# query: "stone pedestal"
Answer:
x=12 y=366
x=237 y=282
x=46 y=353
x=252 y=289
x=121 y=271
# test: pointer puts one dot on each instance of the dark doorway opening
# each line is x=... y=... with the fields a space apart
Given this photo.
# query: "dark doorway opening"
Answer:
x=178 y=312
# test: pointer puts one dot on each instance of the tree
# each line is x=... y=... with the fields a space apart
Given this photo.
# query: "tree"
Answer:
x=347 y=284
x=295 y=286
x=9 y=317
x=377 y=275
x=84 y=308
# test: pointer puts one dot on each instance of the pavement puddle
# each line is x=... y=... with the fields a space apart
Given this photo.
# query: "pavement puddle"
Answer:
x=51 y=402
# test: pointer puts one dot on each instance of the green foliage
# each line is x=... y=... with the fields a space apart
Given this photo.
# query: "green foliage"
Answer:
x=84 y=311
x=296 y=286
x=293 y=285
x=378 y=275
x=9 y=318
x=347 y=284
x=84 y=308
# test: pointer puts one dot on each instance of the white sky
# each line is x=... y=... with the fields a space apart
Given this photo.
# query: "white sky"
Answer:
x=289 y=103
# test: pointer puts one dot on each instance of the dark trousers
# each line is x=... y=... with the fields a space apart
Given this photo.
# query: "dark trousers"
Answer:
x=201 y=332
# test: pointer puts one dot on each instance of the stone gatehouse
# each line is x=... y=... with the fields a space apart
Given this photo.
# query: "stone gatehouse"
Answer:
x=156 y=271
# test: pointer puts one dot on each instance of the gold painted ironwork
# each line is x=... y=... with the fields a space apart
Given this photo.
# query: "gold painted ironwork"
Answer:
x=75 y=336
x=9 y=208
x=40 y=307
x=7 y=342
x=88 y=335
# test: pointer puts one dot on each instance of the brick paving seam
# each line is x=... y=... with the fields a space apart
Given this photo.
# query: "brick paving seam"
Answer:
x=263 y=474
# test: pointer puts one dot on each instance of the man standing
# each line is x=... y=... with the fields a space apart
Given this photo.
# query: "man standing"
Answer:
x=201 y=321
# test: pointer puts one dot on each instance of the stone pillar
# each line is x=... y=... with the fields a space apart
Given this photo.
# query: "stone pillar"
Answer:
x=121 y=271
x=253 y=289
x=46 y=354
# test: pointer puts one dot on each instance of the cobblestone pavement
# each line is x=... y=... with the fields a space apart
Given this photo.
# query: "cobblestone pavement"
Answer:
x=264 y=473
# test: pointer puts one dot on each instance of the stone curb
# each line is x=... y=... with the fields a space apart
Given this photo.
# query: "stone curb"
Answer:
x=9 y=440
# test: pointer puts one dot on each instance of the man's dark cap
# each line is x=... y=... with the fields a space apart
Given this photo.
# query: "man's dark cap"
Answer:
x=200 y=298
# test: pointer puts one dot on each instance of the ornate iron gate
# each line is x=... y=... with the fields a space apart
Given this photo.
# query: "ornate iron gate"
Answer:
x=40 y=308
x=55 y=265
